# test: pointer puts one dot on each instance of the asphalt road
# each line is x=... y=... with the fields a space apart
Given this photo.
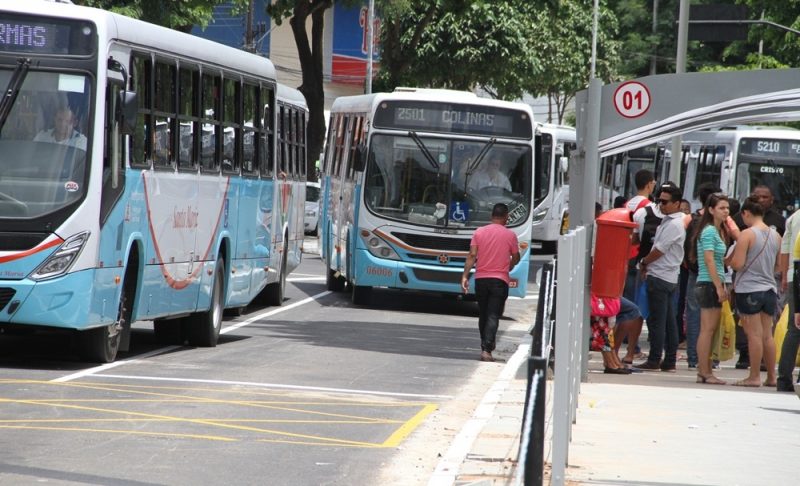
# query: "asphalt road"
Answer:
x=314 y=392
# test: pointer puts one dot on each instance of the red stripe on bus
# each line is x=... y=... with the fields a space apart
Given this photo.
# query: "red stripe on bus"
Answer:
x=32 y=251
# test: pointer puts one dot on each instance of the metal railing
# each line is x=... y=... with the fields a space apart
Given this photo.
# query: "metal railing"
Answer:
x=567 y=313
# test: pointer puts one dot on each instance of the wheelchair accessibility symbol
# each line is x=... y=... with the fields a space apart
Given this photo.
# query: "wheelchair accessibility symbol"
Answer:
x=459 y=211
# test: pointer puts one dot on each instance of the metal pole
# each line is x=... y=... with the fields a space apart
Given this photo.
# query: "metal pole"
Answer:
x=595 y=14
x=654 y=57
x=680 y=68
x=249 y=46
x=370 y=44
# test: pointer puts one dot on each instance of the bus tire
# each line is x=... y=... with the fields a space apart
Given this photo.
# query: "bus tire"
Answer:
x=101 y=344
x=203 y=327
x=333 y=282
x=274 y=292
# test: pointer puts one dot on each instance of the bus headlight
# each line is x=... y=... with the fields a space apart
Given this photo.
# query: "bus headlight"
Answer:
x=539 y=216
x=377 y=247
x=62 y=259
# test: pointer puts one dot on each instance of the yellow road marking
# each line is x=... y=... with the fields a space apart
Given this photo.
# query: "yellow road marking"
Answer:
x=235 y=424
x=112 y=431
x=405 y=430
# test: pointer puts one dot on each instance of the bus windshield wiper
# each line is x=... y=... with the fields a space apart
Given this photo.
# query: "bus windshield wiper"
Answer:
x=13 y=89
x=475 y=163
x=424 y=150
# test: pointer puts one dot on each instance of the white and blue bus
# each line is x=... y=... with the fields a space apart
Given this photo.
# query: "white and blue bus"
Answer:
x=554 y=146
x=407 y=178
x=145 y=174
x=736 y=158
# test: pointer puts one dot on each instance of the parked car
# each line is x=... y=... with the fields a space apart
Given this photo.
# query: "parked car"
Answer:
x=312 y=208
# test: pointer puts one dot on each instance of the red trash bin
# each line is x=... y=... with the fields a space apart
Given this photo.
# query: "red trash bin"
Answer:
x=611 y=252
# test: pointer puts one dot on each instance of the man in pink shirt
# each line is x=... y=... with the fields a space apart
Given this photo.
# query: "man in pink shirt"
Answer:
x=496 y=250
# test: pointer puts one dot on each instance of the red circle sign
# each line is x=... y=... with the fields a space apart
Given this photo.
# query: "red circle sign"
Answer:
x=632 y=99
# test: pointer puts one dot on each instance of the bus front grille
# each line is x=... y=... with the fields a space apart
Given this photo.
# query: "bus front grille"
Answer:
x=433 y=242
x=6 y=294
x=437 y=276
x=435 y=258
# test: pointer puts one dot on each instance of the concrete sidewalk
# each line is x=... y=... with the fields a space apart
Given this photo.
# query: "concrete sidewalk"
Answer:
x=647 y=429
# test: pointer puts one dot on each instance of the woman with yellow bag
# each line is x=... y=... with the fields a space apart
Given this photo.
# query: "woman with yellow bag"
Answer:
x=710 y=237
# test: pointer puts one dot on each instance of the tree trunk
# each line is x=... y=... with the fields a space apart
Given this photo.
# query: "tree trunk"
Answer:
x=311 y=64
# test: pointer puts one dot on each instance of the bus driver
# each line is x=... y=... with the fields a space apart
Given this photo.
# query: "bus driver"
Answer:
x=489 y=176
x=63 y=131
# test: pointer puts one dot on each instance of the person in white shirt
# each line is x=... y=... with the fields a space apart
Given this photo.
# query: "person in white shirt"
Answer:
x=661 y=267
x=63 y=131
x=490 y=176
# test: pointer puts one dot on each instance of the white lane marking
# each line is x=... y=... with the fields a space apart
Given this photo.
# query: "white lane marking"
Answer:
x=108 y=366
x=166 y=349
x=447 y=469
x=279 y=385
x=304 y=279
x=275 y=311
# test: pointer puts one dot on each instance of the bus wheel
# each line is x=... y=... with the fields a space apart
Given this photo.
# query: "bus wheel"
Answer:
x=333 y=282
x=361 y=295
x=275 y=291
x=101 y=344
x=203 y=328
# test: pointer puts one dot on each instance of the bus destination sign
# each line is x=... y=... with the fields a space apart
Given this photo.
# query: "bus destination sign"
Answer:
x=770 y=147
x=453 y=118
x=37 y=35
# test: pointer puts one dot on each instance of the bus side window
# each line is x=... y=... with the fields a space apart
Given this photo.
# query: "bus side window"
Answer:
x=209 y=122
x=249 y=127
x=301 y=145
x=164 y=109
x=188 y=121
x=141 y=74
x=282 y=120
x=267 y=140
x=329 y=145
x=231 y=128
x=341 y=129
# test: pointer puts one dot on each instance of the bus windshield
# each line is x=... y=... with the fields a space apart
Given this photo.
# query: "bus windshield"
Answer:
x=447 y=187
x=782 y=180
x=43 y=144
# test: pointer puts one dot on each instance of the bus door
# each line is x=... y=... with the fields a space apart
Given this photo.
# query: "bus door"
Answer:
x=561 y=178
x=338 y=174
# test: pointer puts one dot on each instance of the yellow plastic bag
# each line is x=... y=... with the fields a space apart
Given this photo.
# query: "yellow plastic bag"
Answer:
x=723 y=346
x=780 y=333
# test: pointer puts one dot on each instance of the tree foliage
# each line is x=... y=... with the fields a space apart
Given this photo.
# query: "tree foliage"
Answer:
x=563 y=47
x=176 y=14
x=459 y=45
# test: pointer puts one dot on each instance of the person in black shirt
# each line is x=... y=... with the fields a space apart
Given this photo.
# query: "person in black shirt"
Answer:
x=772 y=217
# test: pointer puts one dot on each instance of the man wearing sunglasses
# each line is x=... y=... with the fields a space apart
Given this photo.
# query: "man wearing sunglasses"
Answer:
x=661 y=268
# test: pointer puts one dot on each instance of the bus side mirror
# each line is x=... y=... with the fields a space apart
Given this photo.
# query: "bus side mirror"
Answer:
x=564 y=163
x=360 y=158
x=128 y=105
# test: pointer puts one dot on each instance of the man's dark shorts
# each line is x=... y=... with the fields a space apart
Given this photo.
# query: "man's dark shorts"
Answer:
x=627 y=311
x=706 y=295
x=751 y=303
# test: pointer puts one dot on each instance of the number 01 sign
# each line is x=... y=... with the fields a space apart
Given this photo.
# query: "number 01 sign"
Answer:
x=632 y=99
